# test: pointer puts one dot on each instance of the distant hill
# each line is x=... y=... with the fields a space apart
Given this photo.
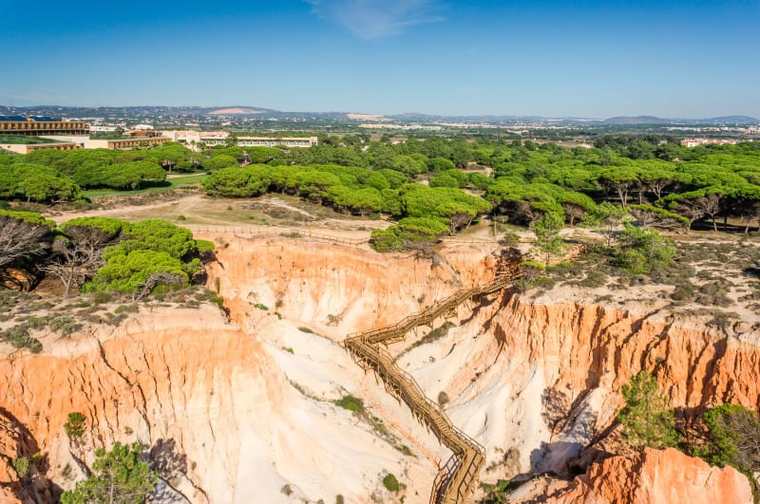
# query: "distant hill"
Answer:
x=632 y=120
x=212 y=115
x=237 y=111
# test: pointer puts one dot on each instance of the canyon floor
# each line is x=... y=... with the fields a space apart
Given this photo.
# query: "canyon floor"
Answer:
x=260 y=403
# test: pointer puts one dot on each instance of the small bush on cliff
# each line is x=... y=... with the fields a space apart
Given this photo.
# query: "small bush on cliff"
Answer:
x=74 y=426
x=119 y=476
x=647 y=420
x=351 y=403
x=734 y=438
x=27 y=466
x=408 y=232
x=390 y=482
x=22 y=466
x=497 y=493
x=19 y=337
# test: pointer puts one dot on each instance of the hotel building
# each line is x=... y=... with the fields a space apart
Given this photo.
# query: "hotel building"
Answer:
x=17 y=125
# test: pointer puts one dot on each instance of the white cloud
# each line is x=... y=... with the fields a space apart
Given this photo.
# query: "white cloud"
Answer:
x=371 y=19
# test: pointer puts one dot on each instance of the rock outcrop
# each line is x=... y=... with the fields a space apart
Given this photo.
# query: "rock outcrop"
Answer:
x=648 y=477
x=536 y=383
x=343 y=289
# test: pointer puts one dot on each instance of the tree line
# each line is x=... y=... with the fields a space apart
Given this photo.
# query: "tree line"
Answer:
x=655 y=179
x=52 y=176
x=423 y=212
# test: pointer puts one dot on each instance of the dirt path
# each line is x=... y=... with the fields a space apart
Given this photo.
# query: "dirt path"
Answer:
x=281 y=204
x=201 y=210
x=186 y=202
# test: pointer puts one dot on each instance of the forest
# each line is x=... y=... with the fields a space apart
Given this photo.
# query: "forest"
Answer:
x=450 y=183
x=437 y=186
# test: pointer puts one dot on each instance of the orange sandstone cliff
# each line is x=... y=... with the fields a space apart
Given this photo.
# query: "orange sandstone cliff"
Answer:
x=649 y=477
x=248 y=409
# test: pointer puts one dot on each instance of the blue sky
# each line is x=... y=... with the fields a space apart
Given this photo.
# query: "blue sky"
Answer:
x=583 y=58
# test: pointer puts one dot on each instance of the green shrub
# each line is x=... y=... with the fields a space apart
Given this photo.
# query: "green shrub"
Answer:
x=386 y=240
x=146 y=248
x=547 y=230
x=106 y=225
x=444 y=203
x=22 y=466
x=236 y=182
x=120 y=475
x=123 y=175
x=444 y=180
x=28 y=217
x=205 y=246
x=221 y=162
x=734 y=438
x=646 y=418
x=440 y=164
x=498 y=493
x=19 y=337
x=128 y=272
x=641 y=251
x=391 y=483
x=406 y=233
x=75 y=426
x=160 y=236
x=351 y=403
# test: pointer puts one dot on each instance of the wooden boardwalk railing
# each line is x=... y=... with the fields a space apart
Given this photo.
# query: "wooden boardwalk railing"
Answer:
x=457 y=478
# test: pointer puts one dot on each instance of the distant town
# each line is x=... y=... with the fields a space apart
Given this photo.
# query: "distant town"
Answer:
x=26 y=129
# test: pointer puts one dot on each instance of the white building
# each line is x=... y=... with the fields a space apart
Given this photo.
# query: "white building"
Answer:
x=197 y=139
x=694 y=142
x=100 y=128
x=250 y=141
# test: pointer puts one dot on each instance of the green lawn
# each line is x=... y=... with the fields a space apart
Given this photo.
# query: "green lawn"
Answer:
x=172 y=183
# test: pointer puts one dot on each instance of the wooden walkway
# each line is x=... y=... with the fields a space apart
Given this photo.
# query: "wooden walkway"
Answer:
x=458 y=477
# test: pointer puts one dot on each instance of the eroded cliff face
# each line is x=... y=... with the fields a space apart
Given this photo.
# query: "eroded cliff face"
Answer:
x=536 y=383
x=649 y=477
x=239 y=425
x=247 y=406
x=341 y=288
